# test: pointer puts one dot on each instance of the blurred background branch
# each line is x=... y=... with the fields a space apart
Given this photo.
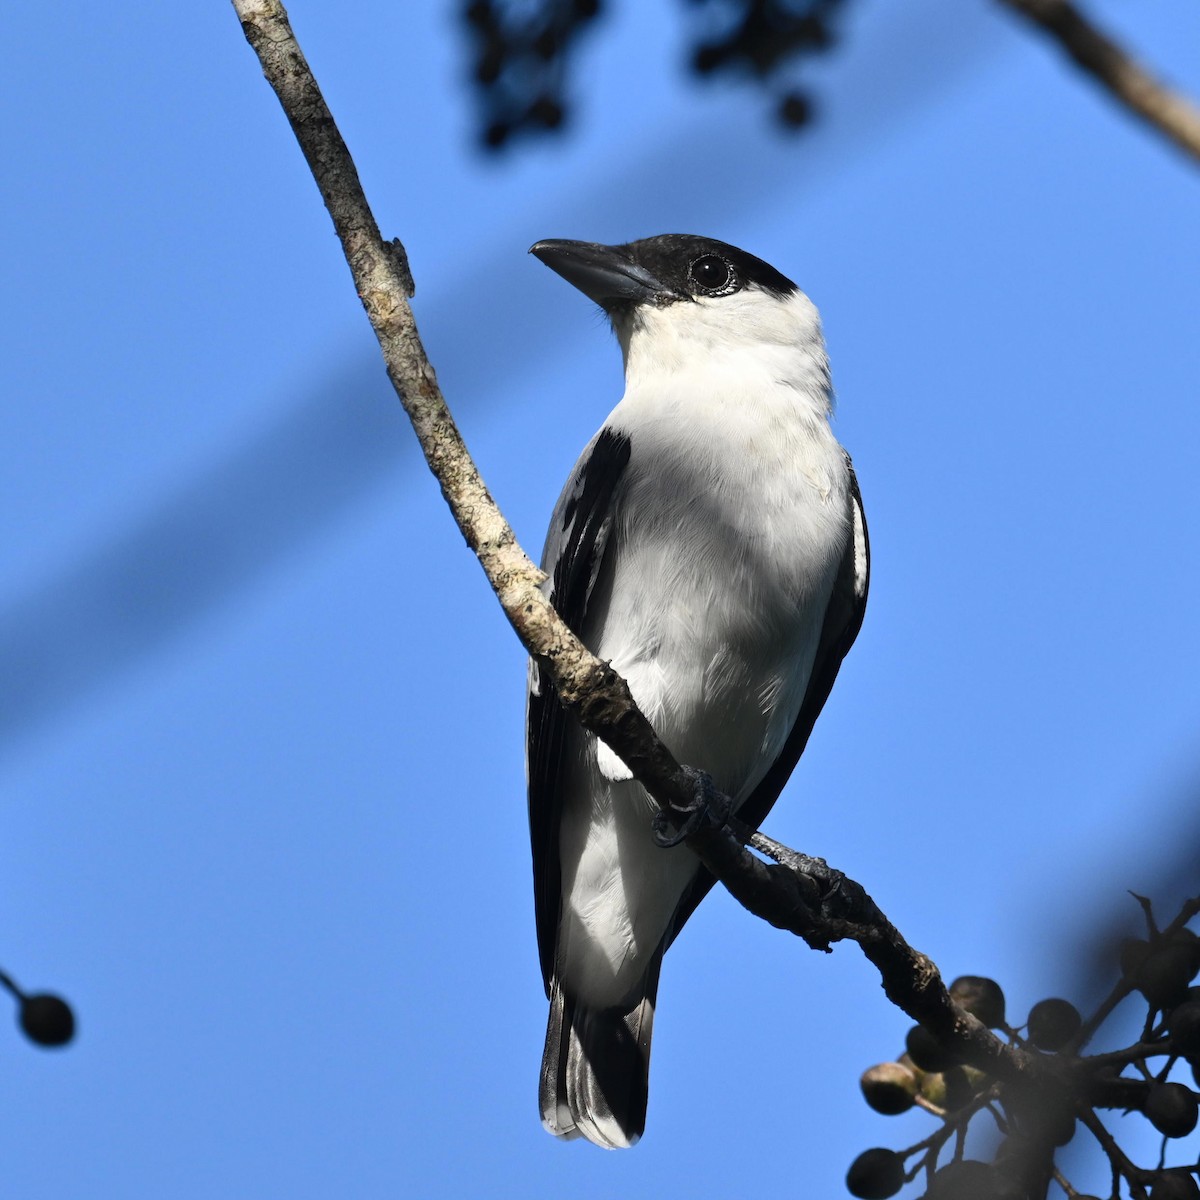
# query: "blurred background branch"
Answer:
x=1126 y=80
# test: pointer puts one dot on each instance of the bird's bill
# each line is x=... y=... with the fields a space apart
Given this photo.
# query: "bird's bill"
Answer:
x=605 y=274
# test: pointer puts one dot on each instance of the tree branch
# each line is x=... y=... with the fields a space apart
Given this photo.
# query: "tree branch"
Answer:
x=1127 y=80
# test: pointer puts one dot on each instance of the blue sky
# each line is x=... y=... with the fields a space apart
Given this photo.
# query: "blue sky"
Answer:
x=261 y=774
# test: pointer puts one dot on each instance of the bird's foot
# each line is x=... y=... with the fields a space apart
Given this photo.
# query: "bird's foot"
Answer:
x=708 y=807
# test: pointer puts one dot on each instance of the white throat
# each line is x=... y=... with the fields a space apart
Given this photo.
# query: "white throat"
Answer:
x=747 y=341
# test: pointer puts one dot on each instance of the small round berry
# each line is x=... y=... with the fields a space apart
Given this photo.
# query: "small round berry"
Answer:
x=1164 y=974
x=479 y=13
x=547 y=112
x=490 y=64
x=1175 y=1185
x=1184 y=1027
x=958 y=1088
x=1172 y=1109
x=889 y=1088
x=795 y=110
x=981 y=997
x=706 y=59
x=927 y=1052
x=967 y=1178
x=1053 y=1023
x=47 y=1019
x=546 y=44
x=875 y=1174
x=1057 y=1126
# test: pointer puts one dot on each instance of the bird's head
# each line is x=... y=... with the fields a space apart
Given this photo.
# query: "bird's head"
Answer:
x=680 y=302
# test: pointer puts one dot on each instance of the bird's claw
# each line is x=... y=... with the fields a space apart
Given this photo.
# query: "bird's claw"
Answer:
x=708 y=807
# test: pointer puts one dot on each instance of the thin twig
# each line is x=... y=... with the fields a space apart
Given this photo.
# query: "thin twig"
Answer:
x=1139 y=1050
x=1120 y=1163
x=1173 y=115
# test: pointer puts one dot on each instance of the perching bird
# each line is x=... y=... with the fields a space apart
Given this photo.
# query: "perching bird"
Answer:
x=710 y=543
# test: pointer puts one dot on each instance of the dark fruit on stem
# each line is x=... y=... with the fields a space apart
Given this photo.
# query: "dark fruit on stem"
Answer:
x=958 y=1088
x=967 y=1179
x=47 y=1020
x=1172 y=1109
x=1175 y=1185
x=795 y=110
x=889 y=1088
x=875 y=1174
x=981 y=997
x=1184 y=1027
x=1053 y=1023
x=1164 y=974
x=926 y=1052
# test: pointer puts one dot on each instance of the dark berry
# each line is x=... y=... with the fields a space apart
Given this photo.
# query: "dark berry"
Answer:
x=1175 y=1185
x=958 y=1088
x=489 y=65
x=545 y=45
x=875 y=1174
x=1164 y=974
x=479 y=13
x=1171 y=1108
x=1048 y=1122
x=706 y=59
x=967 y=1179
x=981 y=997
x=47 y=1020
x=1132 y=954
x=927 y=1052
x=795 y=110
x=1053 y=1023
x=889 y=1088
x=546 y=111
x=1184 y=1027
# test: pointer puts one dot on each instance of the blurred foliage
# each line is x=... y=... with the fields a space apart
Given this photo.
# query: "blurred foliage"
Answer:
x=521 y=50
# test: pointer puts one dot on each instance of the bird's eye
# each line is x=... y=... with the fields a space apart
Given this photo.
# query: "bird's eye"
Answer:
x=712 y=274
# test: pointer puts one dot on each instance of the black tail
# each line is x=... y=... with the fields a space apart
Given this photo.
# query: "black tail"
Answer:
x=595 y=1069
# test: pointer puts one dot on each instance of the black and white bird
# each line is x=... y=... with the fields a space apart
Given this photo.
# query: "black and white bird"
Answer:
x=710 y=544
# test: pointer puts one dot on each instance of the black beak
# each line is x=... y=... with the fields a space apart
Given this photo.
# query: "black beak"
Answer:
x=605 y=274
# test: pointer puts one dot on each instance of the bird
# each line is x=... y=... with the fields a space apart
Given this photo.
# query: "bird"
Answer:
x=710 y=544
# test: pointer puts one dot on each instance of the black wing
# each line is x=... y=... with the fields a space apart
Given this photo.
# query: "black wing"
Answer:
x=574 y=555
x=843 y=620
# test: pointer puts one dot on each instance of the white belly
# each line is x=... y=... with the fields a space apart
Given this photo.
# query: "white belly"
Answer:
x=712 y=612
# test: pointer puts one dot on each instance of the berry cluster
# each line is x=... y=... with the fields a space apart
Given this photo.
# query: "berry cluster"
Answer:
x=761 y=37
x=520 y=53
x=45 y=1018
x=520 y=48
x=1037 y=1110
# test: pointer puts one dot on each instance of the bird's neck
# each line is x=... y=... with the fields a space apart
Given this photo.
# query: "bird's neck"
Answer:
x=703 y=349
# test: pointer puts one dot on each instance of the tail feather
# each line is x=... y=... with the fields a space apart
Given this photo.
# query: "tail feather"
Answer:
x=595 y=1069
